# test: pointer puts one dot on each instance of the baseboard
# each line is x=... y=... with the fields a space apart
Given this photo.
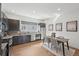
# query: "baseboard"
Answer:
x=72 y=47
x=35 y=40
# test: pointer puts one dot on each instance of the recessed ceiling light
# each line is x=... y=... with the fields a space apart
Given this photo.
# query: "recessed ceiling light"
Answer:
x=57 y=15
x=34 y=11
x=59 y=9
x=13 y=10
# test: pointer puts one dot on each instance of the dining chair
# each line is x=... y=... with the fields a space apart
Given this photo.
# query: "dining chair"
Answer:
x=54 y=43
x=46 y=40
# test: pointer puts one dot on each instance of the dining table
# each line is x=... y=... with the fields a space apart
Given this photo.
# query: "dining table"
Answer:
x=62 y=41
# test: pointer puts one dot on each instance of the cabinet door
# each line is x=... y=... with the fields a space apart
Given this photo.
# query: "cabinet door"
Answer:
x=24 y=39
x=28 y=38
x=15 y=40
x=20 y=39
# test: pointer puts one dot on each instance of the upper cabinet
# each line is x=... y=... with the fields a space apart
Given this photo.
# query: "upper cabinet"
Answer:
x=29 y=26
x=42 y=25
x=13 y=25
x=9 y=24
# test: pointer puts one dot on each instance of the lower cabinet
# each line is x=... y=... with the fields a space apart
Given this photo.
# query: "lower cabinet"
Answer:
x=15 y=40
x=27 y=38
x=21 y=39
x=38 y=36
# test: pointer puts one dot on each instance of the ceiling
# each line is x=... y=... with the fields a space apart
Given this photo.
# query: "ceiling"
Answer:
x=41 y=10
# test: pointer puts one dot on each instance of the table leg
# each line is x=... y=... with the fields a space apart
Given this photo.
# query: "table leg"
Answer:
x=8 y=48
x=67 y=45
x=63 y=49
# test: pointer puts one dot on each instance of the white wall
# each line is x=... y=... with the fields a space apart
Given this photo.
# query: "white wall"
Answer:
x=73 y=36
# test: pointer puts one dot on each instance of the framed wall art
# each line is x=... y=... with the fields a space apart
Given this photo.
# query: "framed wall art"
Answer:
x=50 y=27
x=71 y=26
x=58 y=27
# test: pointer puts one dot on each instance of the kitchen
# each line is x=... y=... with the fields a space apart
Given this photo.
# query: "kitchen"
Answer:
x=23 y=28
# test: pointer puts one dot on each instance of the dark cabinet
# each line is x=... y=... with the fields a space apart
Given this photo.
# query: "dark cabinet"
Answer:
x=42 y=24
x=38 y=36
x=24 y=39
x=15 y=40
x=21 y=39
x=27 y=38
x=13 y=25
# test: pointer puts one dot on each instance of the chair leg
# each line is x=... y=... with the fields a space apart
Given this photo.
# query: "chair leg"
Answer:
x=56 y=49
x=67 y=45
x=48 y=44
x=51 y=46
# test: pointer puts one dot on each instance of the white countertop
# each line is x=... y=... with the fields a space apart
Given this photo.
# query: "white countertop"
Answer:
x=7 y=37
x=10 y=36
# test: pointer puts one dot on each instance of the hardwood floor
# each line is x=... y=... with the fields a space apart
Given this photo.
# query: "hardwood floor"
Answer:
x=30 y=49
x=76 y=52
x=33 y=49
